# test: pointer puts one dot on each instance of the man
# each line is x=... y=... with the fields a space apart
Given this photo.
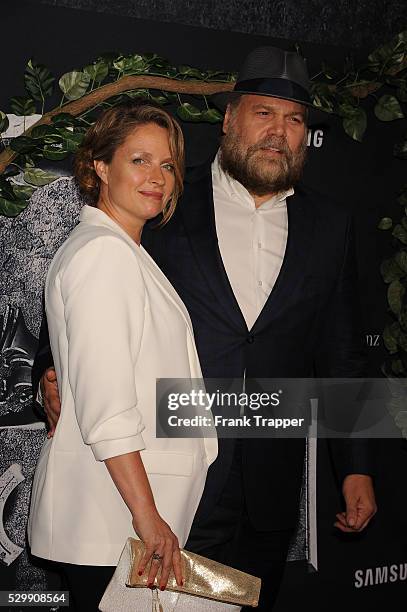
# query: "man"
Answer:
x=266 y=269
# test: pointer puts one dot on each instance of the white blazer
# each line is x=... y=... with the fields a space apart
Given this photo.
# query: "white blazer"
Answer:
x=116 y=324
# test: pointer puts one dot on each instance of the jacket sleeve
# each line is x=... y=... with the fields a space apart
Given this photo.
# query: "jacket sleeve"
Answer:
x=103 y=293
x=342 y=354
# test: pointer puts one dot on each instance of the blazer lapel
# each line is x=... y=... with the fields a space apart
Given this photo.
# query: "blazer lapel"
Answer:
x=164 y=285
x=94 y=216
x=199 y=220
x=299 y=245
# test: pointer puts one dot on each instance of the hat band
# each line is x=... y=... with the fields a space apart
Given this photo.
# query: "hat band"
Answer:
x=280 y=88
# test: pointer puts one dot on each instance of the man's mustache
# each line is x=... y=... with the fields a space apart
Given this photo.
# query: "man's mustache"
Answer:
x=274 y=142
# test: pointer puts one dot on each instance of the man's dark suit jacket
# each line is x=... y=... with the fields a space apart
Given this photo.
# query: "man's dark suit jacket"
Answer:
x=309 y=326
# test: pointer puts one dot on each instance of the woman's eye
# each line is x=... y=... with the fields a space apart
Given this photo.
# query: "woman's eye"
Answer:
x=263 y=113
x=138 y=161
x=169 y=167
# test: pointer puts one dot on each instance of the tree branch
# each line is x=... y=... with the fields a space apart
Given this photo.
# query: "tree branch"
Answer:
x=112 y=89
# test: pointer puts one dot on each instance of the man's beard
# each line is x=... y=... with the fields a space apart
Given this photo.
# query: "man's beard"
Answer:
x=258 y=172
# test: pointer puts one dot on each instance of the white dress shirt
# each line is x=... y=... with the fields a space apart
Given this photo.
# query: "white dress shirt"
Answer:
x=252 y=241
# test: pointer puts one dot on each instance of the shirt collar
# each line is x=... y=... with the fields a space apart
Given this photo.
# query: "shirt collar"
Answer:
x=239 y=194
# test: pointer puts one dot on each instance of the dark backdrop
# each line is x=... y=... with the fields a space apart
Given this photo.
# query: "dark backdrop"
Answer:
x=362 y=177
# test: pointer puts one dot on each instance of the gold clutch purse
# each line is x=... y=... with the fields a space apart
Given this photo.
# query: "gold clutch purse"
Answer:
x=202 y=578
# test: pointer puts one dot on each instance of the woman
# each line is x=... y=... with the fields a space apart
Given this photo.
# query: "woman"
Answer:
x=116 y=325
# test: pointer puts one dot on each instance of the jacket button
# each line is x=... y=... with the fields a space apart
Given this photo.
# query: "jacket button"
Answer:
x=250 y=339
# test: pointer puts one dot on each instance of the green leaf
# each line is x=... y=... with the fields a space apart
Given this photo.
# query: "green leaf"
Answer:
x=402 y=91
x=22 y=144
x=130 y=64
x=46 y=133
x=171 y=97
x=74 y=84
x=38 y=81
x=388 y=57
x=188 y=112
x=38 y=177
x=400 y=233
x=390 y=270
x=23 y=106
x=71 y=140
x=97 y=72
x=12 y=208
x=64 y=120
x=144 y=94
x=403 y=318
x=23 y=192
x=401 y=260
x=385 y=223
x=322 y=97
x=159 y=66
x=188 y=71
x=354 y=121
x=397 y=366
x=402 y=341
x=389 y=339
x=6 y=189
x=159 y=99
x=388 y=108
x=54 y=153
x=401 y=421
x=4 y=123
x=395 y=294
x=361 y=89
x=323 y=103
x=211 y=115
x=215 y=75
x=328 y=71
x=400 y=149
x=402 y=199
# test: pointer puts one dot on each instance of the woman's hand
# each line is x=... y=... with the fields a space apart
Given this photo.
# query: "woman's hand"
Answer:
x=129 y=476
x=161 y=544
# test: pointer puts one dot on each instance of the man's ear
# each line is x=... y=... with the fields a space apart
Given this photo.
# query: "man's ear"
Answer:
x=226 y=119
x=102 y=170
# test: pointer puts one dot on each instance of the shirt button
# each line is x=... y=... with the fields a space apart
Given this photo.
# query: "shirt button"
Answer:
x=260 y=283
x=250 y=339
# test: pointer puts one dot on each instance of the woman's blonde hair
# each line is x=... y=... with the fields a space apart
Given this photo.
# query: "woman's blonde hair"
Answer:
x=110 y=131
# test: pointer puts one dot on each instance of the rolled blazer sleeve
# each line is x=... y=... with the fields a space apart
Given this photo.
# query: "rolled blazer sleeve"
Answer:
x=104 y=300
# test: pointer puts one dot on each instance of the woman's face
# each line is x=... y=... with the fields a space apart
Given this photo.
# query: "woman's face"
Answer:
x=138 y=182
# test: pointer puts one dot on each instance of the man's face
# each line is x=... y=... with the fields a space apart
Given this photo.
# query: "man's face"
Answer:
x=264 y=143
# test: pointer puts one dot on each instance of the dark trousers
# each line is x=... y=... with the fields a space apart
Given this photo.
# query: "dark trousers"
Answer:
x=86 y=585
x=228 y=536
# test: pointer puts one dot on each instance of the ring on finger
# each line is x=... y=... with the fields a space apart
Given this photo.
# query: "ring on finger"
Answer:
x=157 y=557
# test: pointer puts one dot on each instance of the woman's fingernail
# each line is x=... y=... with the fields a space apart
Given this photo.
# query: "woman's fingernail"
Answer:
x=162 y=588
x=182 y=583
x=140 y=573
x=150 y=585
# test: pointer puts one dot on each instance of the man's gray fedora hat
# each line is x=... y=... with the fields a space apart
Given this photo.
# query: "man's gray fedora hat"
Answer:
x=270 y=71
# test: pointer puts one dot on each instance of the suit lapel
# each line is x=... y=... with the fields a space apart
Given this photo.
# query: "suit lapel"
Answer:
x=199 y=220
x=299 y=245
x=94 y=216
x=157 y=276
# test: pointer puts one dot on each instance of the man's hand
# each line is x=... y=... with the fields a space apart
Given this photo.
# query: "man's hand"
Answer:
x=360 y=502
x=50 y=395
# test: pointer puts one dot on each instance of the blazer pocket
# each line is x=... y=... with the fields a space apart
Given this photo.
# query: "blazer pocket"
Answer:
x=177 y=464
